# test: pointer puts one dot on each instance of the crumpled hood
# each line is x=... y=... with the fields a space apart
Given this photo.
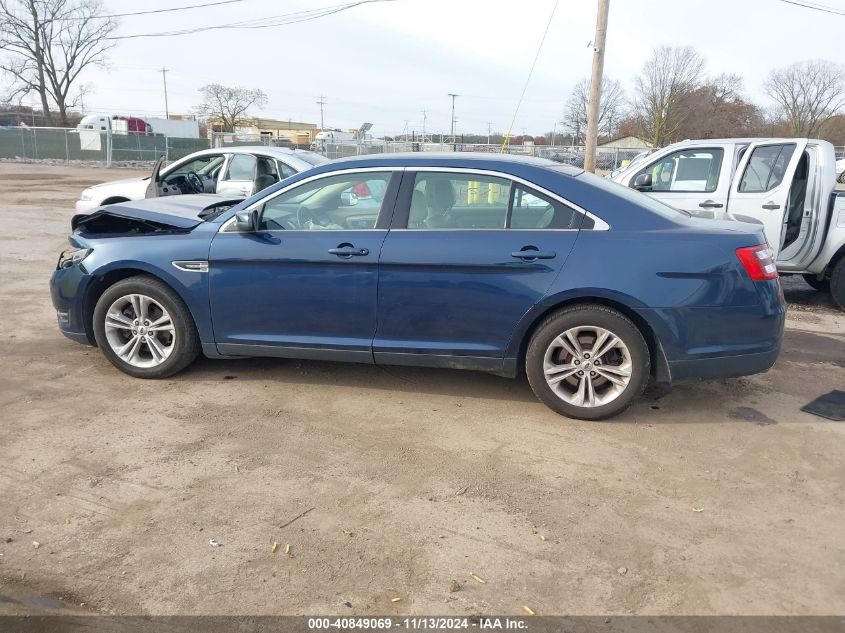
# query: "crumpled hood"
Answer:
x=174 y=212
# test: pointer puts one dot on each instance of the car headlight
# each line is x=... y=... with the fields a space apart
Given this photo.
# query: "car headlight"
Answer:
x=86 y=195
x=73 y=256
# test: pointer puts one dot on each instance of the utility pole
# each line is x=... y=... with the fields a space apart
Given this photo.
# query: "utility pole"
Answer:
x=595 y=86
x=489 y=131
x=322 y=101
x=425 y=116
x=452 y=134
x=163 y=72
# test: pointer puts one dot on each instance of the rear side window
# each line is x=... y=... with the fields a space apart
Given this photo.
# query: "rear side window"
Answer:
x=468 y=201
x=766 y=168
x=685 y=171
x=459 y=201
x=285 y=170
x=242 y=167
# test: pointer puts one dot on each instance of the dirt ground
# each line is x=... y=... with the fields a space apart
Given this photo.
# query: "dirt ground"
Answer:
x=715 y=498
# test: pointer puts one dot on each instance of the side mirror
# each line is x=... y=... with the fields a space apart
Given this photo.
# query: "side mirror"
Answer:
x=643 y=181
x=348 y=199
x=247 y=220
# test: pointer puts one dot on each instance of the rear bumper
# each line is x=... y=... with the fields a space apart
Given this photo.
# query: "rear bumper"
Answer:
x=723 y=366
x=718 y=342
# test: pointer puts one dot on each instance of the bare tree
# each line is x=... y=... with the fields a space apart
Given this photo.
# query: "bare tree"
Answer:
x=808 y=93
x=228 y=106
x=46 y=44
x=611 y=108
x=717 y=108
x=669 y=74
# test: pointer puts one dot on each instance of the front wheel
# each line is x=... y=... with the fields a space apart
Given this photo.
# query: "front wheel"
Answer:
x=588 y=362
x=145 y=329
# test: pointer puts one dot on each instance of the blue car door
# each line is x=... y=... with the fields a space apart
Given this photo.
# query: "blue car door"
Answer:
x=304 y=284
x=468 y=254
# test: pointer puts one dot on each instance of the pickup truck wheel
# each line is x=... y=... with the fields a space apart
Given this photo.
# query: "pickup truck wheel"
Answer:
x=588 y=362
x=837 y=283
x=822 y=285
x=145 y=329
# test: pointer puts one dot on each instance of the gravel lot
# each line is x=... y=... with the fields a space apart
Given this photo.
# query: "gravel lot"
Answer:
x=715 y=498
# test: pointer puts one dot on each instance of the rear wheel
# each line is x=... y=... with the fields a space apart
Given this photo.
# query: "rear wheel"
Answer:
x=145 y=329
x=822 y=285
x=837 y=283
x=588 y=362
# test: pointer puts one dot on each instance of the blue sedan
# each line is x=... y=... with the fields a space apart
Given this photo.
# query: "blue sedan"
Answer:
x=491 y=263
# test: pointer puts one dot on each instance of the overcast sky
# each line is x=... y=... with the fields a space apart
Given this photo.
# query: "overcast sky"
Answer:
x=387 y=62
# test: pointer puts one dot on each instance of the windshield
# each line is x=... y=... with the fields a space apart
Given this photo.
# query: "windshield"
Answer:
x=634 y=196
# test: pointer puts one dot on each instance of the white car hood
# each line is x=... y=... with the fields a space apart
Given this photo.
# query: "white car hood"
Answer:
x=128 y=188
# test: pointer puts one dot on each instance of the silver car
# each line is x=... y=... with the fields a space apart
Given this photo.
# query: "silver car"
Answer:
x=236 y=172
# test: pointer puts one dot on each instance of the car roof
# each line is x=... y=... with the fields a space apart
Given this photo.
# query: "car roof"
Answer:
x=253 y=149
x=449 y=159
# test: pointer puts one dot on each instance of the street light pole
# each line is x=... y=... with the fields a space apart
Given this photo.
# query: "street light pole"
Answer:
x=591 y=140
x=452 y=134
x=322 y=101
x=163 y=72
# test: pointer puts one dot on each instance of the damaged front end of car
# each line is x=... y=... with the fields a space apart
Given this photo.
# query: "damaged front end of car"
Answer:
x=107 y=245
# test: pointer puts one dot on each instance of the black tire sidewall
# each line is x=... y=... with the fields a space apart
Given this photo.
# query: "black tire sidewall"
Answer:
x=599 y=316
x=186 y=346
x=813 y=281
x=837 y=283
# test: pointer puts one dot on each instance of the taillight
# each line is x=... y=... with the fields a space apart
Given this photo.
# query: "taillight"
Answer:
x=758 y=261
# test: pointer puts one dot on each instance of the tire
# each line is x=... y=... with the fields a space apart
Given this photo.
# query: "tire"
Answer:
x=837 y=283
x=546 y=352
x=149 y=350
x=822 y=285
x=842 y=178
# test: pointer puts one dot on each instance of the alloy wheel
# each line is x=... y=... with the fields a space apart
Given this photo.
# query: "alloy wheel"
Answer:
x=140 y=331
x=587 y=366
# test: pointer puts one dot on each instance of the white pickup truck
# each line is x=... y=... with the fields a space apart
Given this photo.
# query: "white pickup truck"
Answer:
x=787 y=185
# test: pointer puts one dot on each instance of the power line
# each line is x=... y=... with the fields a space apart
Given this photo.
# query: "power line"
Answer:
x=283 y=19
x=815 y=7
x=185 y=8
x=151 y=11
x=528 y=79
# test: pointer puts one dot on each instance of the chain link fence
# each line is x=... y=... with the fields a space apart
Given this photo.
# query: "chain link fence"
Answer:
x=607 y=158
x=68 y=144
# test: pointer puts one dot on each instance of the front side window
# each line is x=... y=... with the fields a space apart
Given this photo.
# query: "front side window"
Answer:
x=343 y=202
x=766 y=168
x=241 y=167
x=685 y=171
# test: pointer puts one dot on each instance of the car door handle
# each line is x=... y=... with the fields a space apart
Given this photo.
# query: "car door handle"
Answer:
x=532 y=253
x=349 y=251
x=771 y=206
x=711 y=204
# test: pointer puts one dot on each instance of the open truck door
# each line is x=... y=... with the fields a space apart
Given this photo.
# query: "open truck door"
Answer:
x=761 y=186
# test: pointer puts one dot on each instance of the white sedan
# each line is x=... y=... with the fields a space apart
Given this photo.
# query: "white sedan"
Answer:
x=229 y=171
